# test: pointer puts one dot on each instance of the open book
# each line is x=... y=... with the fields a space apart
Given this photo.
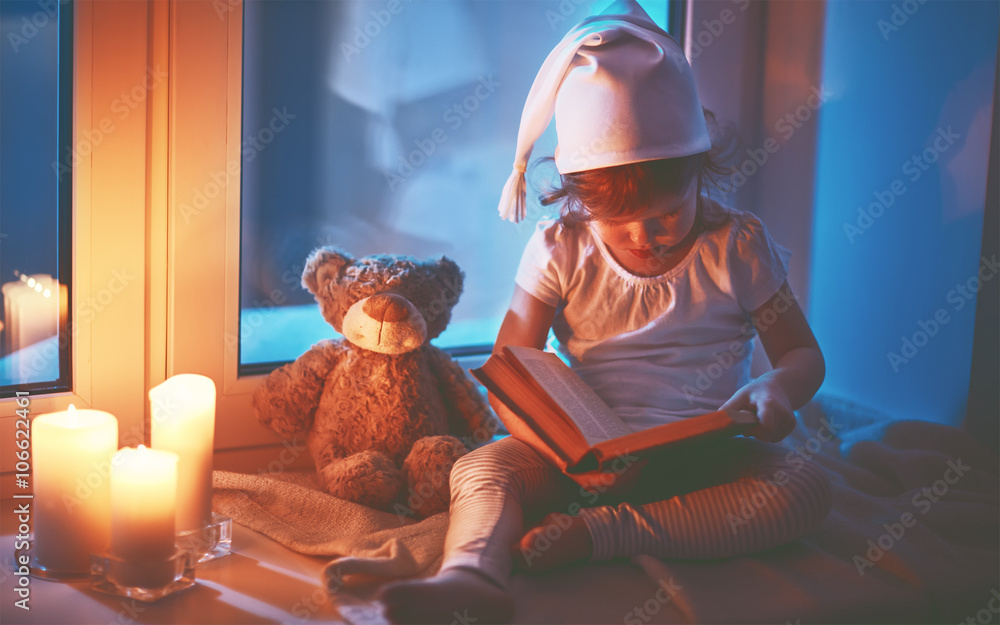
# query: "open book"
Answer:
x=569 y=417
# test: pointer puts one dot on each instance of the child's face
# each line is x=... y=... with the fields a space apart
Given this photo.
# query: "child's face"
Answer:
x=652 y=233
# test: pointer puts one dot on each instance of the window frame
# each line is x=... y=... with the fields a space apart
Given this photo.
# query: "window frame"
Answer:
x=206 y=42
x=108 y=354
x=205 y=116
x=64 y=206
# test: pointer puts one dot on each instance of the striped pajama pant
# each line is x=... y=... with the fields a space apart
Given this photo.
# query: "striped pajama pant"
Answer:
x=737 y=497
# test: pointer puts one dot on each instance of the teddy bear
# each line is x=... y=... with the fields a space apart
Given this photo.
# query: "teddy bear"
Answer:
x=385 y=413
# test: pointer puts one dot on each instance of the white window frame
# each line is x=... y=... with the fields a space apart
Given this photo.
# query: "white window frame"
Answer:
x=108 y=363
x=131 y=215
x=203 y=319
x=203 y=240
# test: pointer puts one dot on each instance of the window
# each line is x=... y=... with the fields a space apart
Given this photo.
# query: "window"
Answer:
x=100 y=234
x=211 y=235
x=36 y=99
x=385 y=127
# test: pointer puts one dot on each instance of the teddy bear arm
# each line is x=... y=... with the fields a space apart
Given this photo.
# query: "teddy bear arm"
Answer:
x=286 y=402
x=469 y=416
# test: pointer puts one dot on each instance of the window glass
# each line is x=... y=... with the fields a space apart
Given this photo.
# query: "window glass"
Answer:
x=35 y=194
x=386 y=127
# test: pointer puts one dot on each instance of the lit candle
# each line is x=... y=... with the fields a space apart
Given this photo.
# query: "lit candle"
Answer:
x=72 y=453
x=183 y=421
x=143 y=500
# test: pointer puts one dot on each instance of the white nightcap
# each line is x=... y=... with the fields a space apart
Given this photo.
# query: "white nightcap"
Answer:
x=621 y=91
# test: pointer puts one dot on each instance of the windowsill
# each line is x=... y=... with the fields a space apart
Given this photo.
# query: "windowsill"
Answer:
x=260 y=582
x=282 y=334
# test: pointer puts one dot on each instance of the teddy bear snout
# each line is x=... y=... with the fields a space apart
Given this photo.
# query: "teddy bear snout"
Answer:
x=388 y=307
x=386 y=323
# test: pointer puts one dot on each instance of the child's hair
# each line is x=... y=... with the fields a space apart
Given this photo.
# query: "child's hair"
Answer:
x=621 y=191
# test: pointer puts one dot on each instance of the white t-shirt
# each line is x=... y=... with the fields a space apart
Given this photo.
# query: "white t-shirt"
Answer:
x=660 y=348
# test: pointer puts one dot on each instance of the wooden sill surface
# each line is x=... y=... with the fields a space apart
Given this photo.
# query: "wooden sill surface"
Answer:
x=260 y=582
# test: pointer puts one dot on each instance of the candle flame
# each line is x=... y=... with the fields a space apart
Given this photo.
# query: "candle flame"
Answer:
x=47 y=293
x=72 y=419
x=31 y=282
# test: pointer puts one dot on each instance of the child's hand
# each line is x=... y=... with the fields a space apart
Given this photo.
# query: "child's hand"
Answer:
x=767 y=399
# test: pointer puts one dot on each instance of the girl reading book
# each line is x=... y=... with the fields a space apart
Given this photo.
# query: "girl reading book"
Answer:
x=655 y=292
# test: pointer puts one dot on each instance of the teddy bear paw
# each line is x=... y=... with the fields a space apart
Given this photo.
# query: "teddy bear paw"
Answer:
x=368 y=478
x=427 y=470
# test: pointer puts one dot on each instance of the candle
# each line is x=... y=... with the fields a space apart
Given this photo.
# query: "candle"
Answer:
x=183 y=422
x=72 y=453
x=143 y=501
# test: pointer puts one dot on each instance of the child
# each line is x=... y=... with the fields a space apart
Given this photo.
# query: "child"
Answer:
x=654 y=292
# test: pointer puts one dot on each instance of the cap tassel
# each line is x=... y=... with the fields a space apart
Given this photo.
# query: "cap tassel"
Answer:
x=512 y=202
x=537 y=114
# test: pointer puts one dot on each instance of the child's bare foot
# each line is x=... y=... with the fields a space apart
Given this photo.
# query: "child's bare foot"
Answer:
x=558 y=540
x=454 y=596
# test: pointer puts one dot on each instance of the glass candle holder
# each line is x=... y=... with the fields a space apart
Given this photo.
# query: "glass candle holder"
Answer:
x=143 y=580
x=212 y=541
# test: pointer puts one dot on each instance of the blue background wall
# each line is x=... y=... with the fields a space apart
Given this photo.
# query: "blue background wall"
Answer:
x=897 y=86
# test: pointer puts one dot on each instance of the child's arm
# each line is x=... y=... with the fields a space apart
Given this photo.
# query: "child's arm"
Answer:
x=527 y=324
x=798 y=368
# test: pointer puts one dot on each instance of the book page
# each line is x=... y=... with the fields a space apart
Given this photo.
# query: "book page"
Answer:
x=596 y=422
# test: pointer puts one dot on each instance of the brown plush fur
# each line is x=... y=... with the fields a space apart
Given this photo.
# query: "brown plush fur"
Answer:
x=381 y=428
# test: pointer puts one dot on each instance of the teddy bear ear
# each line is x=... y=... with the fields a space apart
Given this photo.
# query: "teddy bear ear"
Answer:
x=449 y=273
x=324 y=265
